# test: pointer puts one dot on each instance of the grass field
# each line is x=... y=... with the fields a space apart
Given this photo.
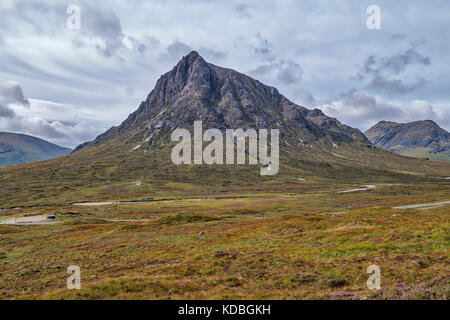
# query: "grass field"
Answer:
x=255 y=246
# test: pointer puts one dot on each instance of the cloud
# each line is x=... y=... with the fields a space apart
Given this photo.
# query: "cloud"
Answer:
x=264 y=49
x=359 y=109
x=102 y=23
x=211 y=54
x=392 y=65
x=391 y=87
x=85 y=73
x=383 y=73
x=57 y=123
x=63 y=134
x=243 y=11
x=100 y=27
x=286 y=72
x=11 y=93
x=141 y=45
x=289 y=72
x=176 y=50
x=304 y=97
x=398 y=36
x=6 y=112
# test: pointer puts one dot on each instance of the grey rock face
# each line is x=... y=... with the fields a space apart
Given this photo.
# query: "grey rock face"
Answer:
x=397 y=137
x=223 y=98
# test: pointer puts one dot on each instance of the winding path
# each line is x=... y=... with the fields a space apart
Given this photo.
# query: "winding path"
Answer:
x=415 y=206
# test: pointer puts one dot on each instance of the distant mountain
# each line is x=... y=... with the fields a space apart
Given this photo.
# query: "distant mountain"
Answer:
x=420 y=139
x=20 y=148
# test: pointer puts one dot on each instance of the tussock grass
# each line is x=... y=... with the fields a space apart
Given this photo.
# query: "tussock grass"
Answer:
x=259 y=247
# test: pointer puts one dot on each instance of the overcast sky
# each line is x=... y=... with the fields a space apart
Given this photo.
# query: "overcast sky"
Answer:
x=69 y=85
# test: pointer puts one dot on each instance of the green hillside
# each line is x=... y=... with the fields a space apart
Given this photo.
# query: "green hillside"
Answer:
x=19 y=148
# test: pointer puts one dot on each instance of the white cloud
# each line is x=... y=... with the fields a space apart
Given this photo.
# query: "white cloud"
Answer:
x=58 y=123
x=359 y=109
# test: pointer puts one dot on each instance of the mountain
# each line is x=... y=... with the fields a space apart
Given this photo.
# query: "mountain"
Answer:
x=133 y=160
x=422 y=139
x=222 y=98
x=20 y=148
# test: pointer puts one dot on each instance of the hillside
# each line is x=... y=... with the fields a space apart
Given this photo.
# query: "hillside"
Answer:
x=133 y=160
x=19 y=148
x=421 y=139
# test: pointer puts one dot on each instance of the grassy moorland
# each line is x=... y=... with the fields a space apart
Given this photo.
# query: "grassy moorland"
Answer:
x=268 y=237
x=113 y=171
x=255 y=246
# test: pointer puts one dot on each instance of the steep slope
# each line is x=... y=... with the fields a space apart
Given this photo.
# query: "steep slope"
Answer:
x=19 y=148
x=423 y=139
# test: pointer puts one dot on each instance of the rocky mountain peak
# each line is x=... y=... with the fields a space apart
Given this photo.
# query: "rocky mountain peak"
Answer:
x=223 y=98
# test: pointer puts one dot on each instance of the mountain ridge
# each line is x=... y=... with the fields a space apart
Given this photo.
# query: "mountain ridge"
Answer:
x=424 y=138
x=17 y=148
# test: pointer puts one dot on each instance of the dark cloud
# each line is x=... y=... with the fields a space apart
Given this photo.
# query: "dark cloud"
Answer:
x=178 y=49
x=398 y=37
x=102 y=23
x=286 y=71
x=393 y=87
x=262 y=70
x=304 y=97
x=382 y=73
x=11 y=93
x=243 y=11
x=211 y=54
x=264 y=49
x=392 y=65
x=289 y=72
x=6 y=112
x=143 y=45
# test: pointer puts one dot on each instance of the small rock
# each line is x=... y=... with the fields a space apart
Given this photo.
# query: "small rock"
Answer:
x=419 y=263
x=221 y=253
